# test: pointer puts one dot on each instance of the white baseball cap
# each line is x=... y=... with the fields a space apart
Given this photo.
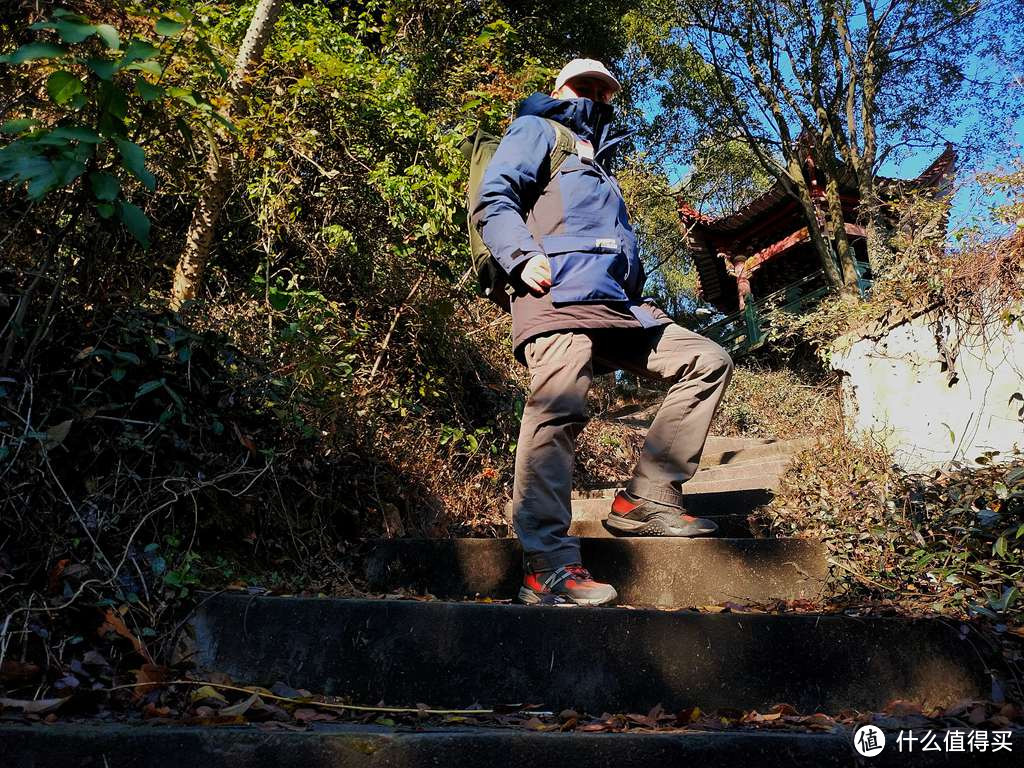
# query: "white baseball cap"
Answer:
x=588 y=67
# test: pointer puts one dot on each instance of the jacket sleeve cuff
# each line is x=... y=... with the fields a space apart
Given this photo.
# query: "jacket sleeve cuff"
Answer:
x=519 y=257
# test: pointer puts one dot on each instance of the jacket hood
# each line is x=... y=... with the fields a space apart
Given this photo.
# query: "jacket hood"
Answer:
x=590 y=120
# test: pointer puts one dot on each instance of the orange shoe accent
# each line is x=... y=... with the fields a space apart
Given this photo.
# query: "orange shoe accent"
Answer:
x=622 y=505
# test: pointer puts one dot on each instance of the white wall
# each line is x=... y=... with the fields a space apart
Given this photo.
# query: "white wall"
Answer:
x=895 y=388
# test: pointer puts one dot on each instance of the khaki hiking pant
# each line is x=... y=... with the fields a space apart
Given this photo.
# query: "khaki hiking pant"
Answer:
x=561 y=366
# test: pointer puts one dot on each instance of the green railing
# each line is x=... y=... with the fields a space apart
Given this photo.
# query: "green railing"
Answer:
x=863 y=282
x=740 y=332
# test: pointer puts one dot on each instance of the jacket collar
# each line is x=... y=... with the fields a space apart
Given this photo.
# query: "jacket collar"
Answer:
x=589 y=120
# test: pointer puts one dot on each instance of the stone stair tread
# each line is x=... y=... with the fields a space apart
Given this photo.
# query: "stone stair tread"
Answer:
x=369 y=746
x=451 y=654
x=719 y=455
x=667 y=572
x=770 y=471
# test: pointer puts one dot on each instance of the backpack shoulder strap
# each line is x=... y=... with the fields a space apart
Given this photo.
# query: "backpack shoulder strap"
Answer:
x=565 y=145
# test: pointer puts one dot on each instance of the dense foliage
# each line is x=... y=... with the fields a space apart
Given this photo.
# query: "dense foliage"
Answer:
x=336 y=378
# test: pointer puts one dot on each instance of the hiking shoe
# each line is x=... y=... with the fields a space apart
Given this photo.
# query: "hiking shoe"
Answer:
x=568 y=585
x=641 y=517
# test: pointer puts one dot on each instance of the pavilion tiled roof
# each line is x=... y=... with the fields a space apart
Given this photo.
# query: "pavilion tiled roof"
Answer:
x=711 y=275
x=938 y=174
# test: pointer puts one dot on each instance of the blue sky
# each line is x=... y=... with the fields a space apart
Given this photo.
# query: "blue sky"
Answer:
x=971 y=204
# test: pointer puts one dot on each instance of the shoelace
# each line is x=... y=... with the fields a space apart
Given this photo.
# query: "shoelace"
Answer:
x=563 y=573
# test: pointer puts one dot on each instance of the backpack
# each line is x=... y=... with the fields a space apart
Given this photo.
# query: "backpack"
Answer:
x=492 y=282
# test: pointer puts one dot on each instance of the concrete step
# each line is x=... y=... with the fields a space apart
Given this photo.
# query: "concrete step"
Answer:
x=368 y=746
x=770 y=470
x=595 y=660
x=672 y=573
x=718 y=454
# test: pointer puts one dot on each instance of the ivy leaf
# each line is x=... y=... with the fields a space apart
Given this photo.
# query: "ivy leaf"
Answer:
x=134 y=159
x=63 y=86
x=109 y=36
x=137 y=50
x=168 y=27
x=147 y=90
x=105 y=210
x=19 y=124
x=118 y=374
x=148 y=387
x=33 y=52
x=43 y=181
x=104 y=186
x=149 y=66
x=136 y=222
x=68 y=169
x=182 y=94
x=70 y=31
x=78 y=133
x=116 y=101
x=278 y=299
x=104 y=68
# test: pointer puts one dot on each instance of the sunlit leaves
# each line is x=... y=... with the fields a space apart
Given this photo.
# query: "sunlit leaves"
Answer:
x=168 y=27
x=63 y=86
x=33 y=52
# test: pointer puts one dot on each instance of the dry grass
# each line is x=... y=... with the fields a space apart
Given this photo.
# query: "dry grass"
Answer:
x=778 y=403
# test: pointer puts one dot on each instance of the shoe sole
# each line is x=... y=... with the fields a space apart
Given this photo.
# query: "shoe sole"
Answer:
x=528 y=597
x=624 y=526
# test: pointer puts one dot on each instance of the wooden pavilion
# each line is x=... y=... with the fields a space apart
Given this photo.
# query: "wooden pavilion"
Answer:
x=781 y=266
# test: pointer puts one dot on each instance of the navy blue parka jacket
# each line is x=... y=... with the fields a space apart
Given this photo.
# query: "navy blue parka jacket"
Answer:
x=578 y=218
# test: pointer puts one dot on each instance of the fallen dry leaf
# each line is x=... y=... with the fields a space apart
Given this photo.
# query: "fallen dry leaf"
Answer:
x=207 y=695
x=241 y=707
x=902 y=707
x=30 y=707
x=313 y=716
x=688 y=715
x=114 y=623
x=146 y=675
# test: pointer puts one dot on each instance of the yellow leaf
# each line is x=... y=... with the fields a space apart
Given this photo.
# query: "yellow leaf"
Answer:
x=207 y=693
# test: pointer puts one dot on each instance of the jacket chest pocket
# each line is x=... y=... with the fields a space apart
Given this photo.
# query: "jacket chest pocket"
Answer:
x=587 y=267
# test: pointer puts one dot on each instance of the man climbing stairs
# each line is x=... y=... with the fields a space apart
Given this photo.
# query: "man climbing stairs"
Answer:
x=702 y=623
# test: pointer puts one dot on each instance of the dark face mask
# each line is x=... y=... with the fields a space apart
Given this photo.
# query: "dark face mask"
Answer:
x=595 y=115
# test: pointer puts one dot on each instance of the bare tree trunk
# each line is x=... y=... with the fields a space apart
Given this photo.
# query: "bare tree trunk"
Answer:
x=188 y=275
x=796 y=184
x=844 y=250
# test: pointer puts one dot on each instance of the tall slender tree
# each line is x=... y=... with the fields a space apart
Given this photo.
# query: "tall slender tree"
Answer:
x=191 y=268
